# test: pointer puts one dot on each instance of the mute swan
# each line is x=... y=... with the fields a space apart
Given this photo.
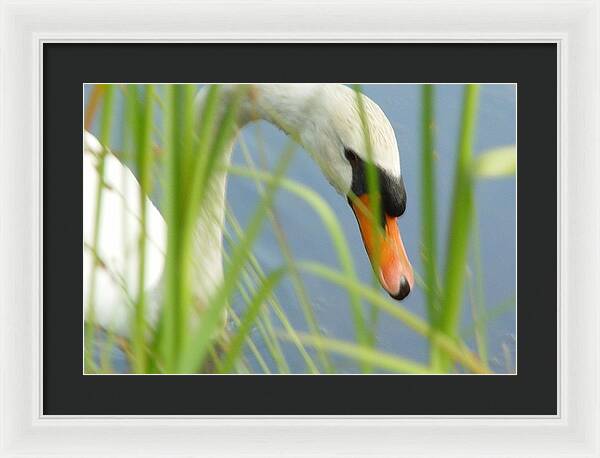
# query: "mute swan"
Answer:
x=327 y=121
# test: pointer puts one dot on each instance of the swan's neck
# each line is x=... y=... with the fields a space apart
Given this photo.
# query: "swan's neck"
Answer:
x=208 y=239
x=281 y=105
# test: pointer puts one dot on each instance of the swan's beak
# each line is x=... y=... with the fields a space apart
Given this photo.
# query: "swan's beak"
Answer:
x=385 y=249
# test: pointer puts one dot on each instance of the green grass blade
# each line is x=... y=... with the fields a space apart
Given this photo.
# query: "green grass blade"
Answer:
x=478 y=296
x=187 y=224
x=251 y=345
x=207 y=125
x=428 y=200
x=106 y=353
x=489 y=315
x=238 y=341
x=496 y=163
x=429 y=211
x=105 y=138
x=374 y=201
x=460 y=219
x=142 y=114
x=211 y=153
x=184 y=191
x=367 y=355
x=174 y=216
x=372 y=175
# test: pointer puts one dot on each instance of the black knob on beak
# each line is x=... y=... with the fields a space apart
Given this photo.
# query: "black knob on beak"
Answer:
x=404 y=289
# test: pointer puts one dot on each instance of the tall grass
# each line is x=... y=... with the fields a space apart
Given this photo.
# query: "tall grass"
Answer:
x=429 y=213
x=461 y=219
x=141 y=105
x=259 y=336
x=294 y=275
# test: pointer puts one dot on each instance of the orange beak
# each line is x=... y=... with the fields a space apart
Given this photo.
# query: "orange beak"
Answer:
x=386 y=250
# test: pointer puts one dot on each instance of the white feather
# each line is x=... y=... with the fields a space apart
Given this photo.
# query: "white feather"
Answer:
x=116 y=284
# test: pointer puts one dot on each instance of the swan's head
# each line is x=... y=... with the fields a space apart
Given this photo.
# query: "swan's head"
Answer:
x=326 y=120
x=332 y=130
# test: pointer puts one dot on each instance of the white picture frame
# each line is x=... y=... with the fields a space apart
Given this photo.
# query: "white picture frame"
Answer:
x=573 y=25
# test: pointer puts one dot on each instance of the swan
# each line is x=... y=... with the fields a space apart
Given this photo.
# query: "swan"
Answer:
x=327 y=123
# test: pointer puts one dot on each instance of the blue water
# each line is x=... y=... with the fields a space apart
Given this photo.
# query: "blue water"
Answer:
x=308 y=240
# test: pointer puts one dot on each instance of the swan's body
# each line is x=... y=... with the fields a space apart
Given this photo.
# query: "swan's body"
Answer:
x=118 y=245
x=327 y=121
